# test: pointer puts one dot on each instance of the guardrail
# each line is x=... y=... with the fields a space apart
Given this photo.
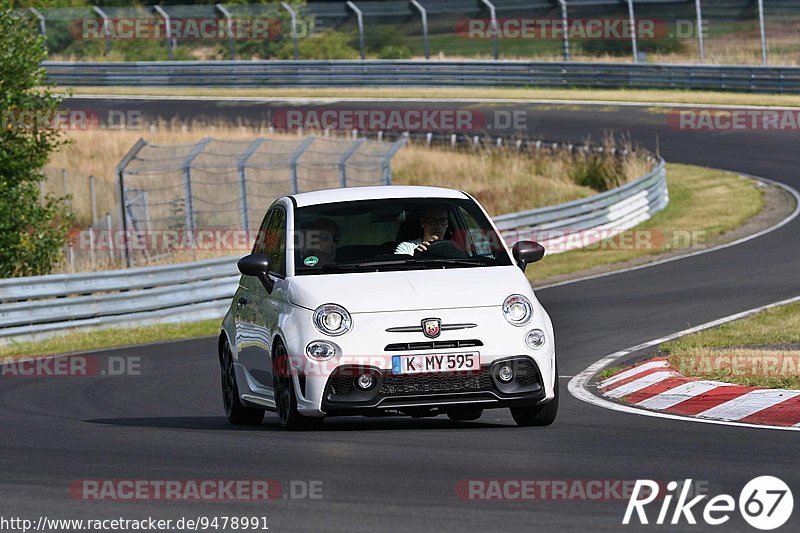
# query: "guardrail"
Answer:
x=393 y=73
x=37 y=307
x=583 y=222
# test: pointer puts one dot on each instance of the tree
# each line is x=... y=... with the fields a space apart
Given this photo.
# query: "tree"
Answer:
x=32 y=231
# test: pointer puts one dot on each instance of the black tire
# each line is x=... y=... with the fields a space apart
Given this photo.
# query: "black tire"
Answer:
x=285 y=396
x=464 y=416
x=538 y=415
x=237 y=413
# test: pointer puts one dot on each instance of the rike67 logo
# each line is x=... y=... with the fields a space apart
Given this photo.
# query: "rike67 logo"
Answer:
x=765 y=503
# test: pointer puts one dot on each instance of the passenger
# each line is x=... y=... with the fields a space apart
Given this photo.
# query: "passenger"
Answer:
x=434 y=224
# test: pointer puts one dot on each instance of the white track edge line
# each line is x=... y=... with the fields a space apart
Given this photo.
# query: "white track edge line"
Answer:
x=578 y=386
x=468 y=100
x=791 y=190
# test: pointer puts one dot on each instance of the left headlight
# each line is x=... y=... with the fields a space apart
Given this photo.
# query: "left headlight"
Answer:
x=517 y=309
x=332 y=319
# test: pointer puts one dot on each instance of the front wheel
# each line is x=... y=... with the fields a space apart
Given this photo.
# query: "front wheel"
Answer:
x=237 y=413
x=285 y=397
x=538 y=415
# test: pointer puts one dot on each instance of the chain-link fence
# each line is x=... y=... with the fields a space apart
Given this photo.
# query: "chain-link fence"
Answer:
x=175 y=195
x=718 y=31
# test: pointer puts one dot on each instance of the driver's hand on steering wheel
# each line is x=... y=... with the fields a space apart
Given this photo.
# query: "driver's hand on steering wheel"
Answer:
x=423 y=246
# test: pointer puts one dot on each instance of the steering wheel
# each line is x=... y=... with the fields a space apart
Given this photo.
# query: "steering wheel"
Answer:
x=444 y=249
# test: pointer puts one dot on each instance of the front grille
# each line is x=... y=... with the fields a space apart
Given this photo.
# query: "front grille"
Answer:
x=432 y=345
x=435 y=382
x=525 y=373
x=341 y=384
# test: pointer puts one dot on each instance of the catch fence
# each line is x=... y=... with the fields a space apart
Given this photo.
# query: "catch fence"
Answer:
x=219 y=185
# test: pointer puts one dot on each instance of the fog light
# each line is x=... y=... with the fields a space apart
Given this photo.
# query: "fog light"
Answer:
x=320 y=350
x=535 y=339
x=505 y=374
x=365 y=381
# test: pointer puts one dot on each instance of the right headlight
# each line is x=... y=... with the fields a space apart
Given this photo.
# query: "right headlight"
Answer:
x=332 y=319
x=517 y=309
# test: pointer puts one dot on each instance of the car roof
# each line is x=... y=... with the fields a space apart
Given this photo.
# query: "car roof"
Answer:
x=347 y=194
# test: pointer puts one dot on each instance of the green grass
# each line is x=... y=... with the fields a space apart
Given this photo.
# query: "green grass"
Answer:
x=522 y=93
x=75 y=341
x=701 y=354
x=704 y=204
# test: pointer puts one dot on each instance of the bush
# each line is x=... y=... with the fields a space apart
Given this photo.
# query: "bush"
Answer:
x=329 y=45
x=32 y=233
x=619 y=48
x=395 y=52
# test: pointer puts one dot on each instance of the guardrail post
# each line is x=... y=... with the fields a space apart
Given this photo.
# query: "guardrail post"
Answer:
x=293 y=15
x=386 y=162
x=763 y=31
x=111 y=240
x=168 y=29
x=229 y=22
x=187 y=184
x=632 y=22
x=354 y=146
x=42 y=24
x=360 y=18
x=240 y=165
x=424 y=15
x=495 y=31
x=106 y=27
x=119 y=171
x=565 y=24
x=293 y=162
x=700 y=30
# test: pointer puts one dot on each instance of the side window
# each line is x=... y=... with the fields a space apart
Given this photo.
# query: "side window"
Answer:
x=258 y=247
x=275 y=240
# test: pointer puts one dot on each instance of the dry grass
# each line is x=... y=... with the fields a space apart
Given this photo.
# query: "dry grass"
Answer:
x=504 y=181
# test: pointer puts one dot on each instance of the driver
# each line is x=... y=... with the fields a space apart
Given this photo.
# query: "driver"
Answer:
x=434 y=224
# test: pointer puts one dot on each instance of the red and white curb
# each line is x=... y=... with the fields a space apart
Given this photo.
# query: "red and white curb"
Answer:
x=581 y=386
x=654 y=385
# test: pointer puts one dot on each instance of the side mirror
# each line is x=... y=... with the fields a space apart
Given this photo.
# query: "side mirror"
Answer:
x=525 y=252
x=257 y=265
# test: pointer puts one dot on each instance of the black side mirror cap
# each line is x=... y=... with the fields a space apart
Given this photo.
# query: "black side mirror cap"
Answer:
x=525 y=252
x=257 y=265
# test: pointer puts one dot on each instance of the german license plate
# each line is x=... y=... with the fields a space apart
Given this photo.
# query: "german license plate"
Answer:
x=450 y=362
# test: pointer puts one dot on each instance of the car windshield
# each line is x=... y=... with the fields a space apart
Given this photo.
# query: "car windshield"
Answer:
x=394 y=234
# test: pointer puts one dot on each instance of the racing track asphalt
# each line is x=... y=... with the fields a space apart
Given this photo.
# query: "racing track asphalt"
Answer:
x=399 y=474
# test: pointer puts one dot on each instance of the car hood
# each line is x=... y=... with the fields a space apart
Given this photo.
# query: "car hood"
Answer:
x=410 y=289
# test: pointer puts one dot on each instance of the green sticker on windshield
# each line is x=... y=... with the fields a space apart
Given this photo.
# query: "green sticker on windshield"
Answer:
x=311 y=260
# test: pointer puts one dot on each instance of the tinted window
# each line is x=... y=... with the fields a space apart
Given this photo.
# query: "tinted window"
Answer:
x=272 y=239
x=374 y=235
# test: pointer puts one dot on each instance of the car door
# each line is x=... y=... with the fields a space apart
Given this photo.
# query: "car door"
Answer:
x=266 y=306
x=251 y=340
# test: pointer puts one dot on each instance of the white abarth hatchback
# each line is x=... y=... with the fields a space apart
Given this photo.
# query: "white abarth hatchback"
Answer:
x=385 y=301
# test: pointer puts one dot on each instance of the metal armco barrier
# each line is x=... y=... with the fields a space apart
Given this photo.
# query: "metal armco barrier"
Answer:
x=393 y=73
x=570 y=225
x=37 y=307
